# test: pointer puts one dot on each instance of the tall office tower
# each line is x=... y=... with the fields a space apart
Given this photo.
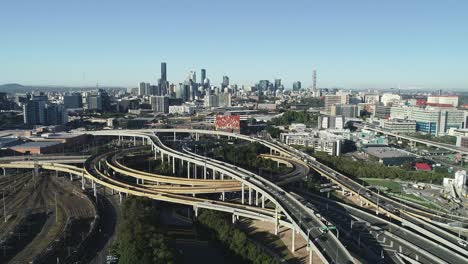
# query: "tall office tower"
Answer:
x=192 y=76
x=55 y=114
x=73 y=101
x=142 y=89
x=106 y=100
x=277 y=84
x=193 y=91
x=211 y=101
x=203 y=76
x=225 y=82
x=94 y=102
x=34 y=111
x=224 y=100
x=263 y=85
x=163 y=71
x=163 y=84
x=159 y=104
x=297 y=86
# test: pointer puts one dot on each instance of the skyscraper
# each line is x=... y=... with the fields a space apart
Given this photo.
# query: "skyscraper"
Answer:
x=297 y=86
x=277 y=84
x=159 y=104
x=55 y=114
x=34 y=112
x=192 y=76
x=163 y=84
x=141 y=89
x=203 y=76
x=163 y=72
x=73 y=101
x=225 y=82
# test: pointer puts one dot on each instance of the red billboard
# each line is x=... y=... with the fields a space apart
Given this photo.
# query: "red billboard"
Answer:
x=227 y=122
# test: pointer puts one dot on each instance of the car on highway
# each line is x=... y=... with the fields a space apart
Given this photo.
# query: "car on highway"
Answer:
x=462 y=243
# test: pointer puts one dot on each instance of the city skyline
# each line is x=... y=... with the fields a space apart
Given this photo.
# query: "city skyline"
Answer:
x=351 y=45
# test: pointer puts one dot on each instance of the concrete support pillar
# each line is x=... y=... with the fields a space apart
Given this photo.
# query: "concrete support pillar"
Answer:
x=71 y=177
x=94 y=189
x=120 y=197
x=168 y=159
x=56 y=173
x=276 y=221
x=175 y=137
x=162 y=158
x=250 y=195
x=310 y=255
x=222 y=176
x=263 y=200
x=233 y=218
x=293 y=242
x=173 y=164
x=112 y=191
x=242 y=196
x=214 y=174
x=223 y=196
x=155 y=154
x=204 y=172
x=82 y=182
x=134 y=141
x=188 y=169
x=195 y=209
x=256 y=198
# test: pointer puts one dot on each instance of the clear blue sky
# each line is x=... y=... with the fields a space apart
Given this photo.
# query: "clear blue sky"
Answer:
x=351 y=43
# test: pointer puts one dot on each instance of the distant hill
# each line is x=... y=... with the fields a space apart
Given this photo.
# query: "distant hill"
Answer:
x=19 y=88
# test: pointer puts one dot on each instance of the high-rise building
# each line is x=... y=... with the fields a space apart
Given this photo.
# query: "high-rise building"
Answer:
x=163 y=84
x=297 y=86
x=381 y=111
x=73 y=101
x=192 y=76
x=34 y=112
x=142 y=89
x=335 y=99
x=55 y=114
x=430 y=120
x=211 y=101
x=163 y=71
x=94 y=102
x=277 y=84
x=224 y=100
x=203 y=76
x=263 y=85
x=345 y=110
x=159 y=104
x=225 y=82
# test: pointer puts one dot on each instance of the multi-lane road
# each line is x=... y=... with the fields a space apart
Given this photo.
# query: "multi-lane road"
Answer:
x=287 y=209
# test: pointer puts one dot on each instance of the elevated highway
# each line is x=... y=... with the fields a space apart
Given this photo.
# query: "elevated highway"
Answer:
x=328 y=249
